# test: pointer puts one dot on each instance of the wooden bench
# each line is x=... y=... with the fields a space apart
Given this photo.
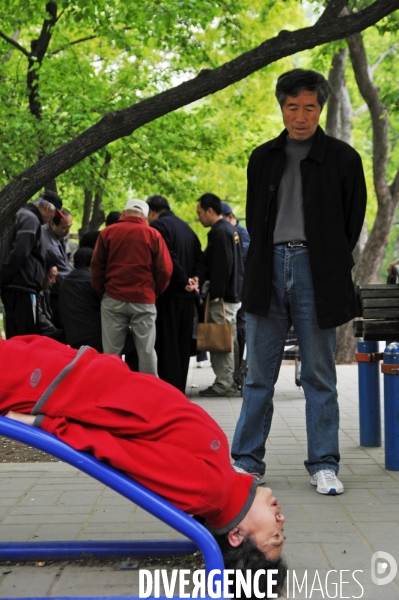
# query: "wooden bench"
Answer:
x=379 y=308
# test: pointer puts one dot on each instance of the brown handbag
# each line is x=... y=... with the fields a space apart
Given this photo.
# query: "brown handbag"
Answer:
x=214 y=337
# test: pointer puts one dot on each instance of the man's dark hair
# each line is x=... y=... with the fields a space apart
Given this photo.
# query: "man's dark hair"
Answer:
x=50 y=260
x=209 y=200
x=89 y=239
x=112 y=217
x=296 y=81
x=57 y=218
x=158 y=203
x=247 y=556
x=82 y=257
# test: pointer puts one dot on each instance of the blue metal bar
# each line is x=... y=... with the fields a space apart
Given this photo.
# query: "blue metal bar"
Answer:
x=391 y=407
x=122 y=484
x=369 y=396
x=70 y=550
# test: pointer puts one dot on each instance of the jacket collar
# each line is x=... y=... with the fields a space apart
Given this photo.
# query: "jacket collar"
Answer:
x=33 y=209
x=132 y=219
x=317 y=150
x=165 y=213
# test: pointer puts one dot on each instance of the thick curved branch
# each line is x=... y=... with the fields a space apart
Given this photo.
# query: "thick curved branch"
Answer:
x=121 y=123
x=377 y=110
x=14 y=43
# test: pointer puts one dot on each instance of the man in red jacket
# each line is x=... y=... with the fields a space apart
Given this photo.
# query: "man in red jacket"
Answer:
x=149 y=430
x=130 y=268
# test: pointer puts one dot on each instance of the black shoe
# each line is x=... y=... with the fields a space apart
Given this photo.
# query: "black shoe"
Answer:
x=210 y=393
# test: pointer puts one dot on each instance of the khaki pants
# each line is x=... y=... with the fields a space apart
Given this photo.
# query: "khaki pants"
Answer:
x=116 y=316
x=223 y=362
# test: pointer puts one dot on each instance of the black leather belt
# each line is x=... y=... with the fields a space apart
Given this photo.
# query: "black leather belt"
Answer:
x=297 y=244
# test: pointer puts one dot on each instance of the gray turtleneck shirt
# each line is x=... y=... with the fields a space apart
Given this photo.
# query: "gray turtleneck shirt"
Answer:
x=290 y=222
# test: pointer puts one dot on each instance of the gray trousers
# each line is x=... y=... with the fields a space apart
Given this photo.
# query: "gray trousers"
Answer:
x=223 y=362
x=116 y=316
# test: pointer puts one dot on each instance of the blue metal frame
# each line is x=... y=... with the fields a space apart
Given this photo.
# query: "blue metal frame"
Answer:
x=125 y=486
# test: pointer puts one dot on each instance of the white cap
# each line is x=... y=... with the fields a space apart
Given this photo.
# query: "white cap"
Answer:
x=137 y=205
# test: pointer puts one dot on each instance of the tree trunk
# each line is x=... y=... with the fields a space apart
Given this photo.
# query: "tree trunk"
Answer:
x=98 y=215
x=124 y=122
x=86 y=212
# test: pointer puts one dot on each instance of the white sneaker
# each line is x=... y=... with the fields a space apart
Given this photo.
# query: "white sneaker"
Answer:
x=261 y=478
x=327 y=482
x=201 y=364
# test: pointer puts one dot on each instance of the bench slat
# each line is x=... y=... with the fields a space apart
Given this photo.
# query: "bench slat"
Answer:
x=381 y=313
x=380 y=302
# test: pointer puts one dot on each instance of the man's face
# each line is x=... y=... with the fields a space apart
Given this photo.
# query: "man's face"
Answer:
x=152 y=216
x=301 y=115
x=263 y=523
x=62 y=229
x=204 y=216
x=50 y=278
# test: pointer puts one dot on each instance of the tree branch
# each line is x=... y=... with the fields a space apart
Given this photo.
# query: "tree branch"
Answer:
x=332 y=10
x=122 y=123
x=377 y=110
x=14 y=43
x=85 y=39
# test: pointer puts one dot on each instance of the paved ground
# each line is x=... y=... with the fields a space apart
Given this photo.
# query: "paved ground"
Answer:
x=328 y=538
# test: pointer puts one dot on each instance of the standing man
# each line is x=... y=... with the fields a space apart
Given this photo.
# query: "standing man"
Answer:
x=54 y=241
x=225 y=272
x=131 y=266
x=175 y=307
x=239 y=342
x=22 y=265
x=54 y=234
x=305 y=208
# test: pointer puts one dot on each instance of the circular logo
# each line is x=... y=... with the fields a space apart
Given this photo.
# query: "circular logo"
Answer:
x=215 y=445
x=35 y=377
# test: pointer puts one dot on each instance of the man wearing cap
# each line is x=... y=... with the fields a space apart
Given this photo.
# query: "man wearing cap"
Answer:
x=131 y=266
x=241 y=321
x=22 y=264
x=176 y=306
x=228 y=214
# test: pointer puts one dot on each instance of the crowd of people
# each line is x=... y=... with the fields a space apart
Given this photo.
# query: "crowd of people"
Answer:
x=132 y=289
x=135 y=292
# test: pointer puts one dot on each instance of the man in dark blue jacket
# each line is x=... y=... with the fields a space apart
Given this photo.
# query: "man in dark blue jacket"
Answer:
x=175 y=306
x=22 y=267
x=225 y=273
x=306 y=202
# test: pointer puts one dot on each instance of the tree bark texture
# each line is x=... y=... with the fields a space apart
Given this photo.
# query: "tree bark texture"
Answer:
x=122 y=123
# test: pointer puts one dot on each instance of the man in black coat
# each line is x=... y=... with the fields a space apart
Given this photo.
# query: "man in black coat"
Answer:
x=176 y=305
x=22 y=264
x=306 y=202
x=80 y=305
x=225 y=272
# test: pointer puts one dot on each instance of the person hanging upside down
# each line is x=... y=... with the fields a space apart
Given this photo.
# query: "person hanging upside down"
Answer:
x=150 y=431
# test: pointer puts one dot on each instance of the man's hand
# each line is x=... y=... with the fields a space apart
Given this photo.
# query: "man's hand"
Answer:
x=392 y=264
x=193 y=284
x=21 y=417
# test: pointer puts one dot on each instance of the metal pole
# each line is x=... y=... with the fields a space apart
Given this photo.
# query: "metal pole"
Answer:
x=390 y=368
x=368 y=359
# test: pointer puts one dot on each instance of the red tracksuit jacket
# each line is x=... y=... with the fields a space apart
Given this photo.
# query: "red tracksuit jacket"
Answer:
x=137 y=423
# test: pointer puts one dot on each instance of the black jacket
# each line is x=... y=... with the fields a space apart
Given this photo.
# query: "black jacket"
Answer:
x=45 y=318
x=225 y=263
x=80 y=308
x=334 y=196
x=185 y=251
x=22 y=264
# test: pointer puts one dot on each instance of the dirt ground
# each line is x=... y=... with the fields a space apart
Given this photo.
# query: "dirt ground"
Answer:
x=12 y=451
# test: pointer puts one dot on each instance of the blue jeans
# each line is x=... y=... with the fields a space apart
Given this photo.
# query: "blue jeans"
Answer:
x=292 y=301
